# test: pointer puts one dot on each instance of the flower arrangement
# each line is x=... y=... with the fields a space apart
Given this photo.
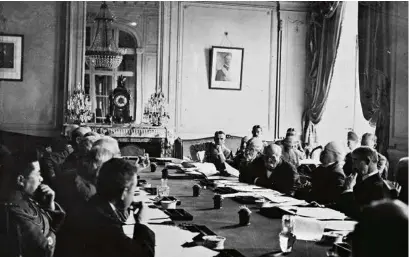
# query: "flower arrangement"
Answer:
x=79 y=106
x=155 y=111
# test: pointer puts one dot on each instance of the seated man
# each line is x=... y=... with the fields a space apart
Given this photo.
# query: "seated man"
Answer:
x=95 y=229
x=353 y=142
x=217 y=153
x=368 y=188
x=51 y=161
x=253 y=151
x=327 y=181
x=369 y=140
x=256 y=131
x=240 y=153
x=382 y=231
x=243 y=144
x=34 y=223
x=290 y=153
x=402 y=179
x=76 y=189
x=271 y=171
x=71 y=162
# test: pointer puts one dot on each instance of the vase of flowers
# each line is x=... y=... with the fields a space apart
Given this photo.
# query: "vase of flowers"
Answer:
x=78 y=107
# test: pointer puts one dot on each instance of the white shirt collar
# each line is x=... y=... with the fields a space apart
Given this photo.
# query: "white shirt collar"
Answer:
x=112 y=206
x=370 y=174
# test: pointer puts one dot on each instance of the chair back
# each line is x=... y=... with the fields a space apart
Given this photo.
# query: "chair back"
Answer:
x=316 y=152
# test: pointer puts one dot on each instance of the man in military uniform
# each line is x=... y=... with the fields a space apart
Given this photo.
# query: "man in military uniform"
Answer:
x=33 y=223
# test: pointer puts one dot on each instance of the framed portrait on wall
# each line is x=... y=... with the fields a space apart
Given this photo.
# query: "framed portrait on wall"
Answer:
x=226 y=68
x=11 y=57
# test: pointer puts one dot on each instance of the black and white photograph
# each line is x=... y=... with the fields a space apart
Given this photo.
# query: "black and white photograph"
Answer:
x=226 y=67
x=204 y=129
x=11 y=57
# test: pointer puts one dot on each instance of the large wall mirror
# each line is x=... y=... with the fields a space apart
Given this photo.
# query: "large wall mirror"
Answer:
x=134 y=32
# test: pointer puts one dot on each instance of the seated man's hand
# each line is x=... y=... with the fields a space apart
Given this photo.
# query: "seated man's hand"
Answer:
x=350 y=182
x=140 y=213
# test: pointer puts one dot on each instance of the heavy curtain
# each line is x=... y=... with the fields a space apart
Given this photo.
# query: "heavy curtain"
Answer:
x=374 y=33
x=324 y=34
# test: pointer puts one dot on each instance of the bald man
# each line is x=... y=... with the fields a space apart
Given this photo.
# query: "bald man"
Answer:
x=327 y=181
x=290 y=153
x=382 y=231
x=271 y=171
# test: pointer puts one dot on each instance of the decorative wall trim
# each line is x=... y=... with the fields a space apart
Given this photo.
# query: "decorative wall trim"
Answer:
x=183 y=7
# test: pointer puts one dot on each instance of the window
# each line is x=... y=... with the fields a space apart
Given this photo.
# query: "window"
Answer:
x=343 y=111
x=99 y=83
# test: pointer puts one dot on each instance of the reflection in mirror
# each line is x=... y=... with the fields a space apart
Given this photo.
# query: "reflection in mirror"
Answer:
x=134 y=32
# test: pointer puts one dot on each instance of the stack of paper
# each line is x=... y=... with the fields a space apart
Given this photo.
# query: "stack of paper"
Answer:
x=169 y=240
x=340 y=225
x=317 y=213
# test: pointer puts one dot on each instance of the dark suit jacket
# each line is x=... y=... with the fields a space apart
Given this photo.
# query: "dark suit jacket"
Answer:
x=34 y=226
x=327 y=183
x=73 y=190
x=348 y=164
x=371 y=189
x=283 y=177
x=51 y=164
x=95 y=230
x=212 y=156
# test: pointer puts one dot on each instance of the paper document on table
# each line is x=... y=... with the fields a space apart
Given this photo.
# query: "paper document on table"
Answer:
x=309 y=161
x=307 y=228
x=317 y=213
x=279 y=198
x=232 y=171
x=207 y=169
x=250 y=188
x=169 y=240
x=340 y=225
x=240 y=194
x=199 y=251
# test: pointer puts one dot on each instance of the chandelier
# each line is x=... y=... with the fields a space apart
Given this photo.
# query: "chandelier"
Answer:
x=103 y=52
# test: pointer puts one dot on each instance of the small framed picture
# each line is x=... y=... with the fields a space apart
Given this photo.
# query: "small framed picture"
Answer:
x=226 y=68
x=11 y=57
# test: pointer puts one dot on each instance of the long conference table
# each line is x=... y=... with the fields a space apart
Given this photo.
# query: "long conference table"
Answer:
x=260 y=238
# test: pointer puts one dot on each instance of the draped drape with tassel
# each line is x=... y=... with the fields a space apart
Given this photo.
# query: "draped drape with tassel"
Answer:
x=324 y=34
x=374 y=33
